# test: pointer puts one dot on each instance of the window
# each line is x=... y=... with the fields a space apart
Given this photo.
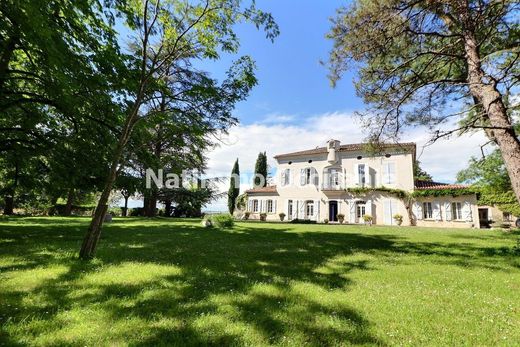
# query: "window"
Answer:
x=309 y=208
x=506 y=216
x=286 y=177
x=361 y=175
x=389 y=173
x=269 y=206
x=289 y=209
x=456 y=208
x=360 y=209
x=309 y=175
x=255 y=205
x=427 y=210
x=334 y=177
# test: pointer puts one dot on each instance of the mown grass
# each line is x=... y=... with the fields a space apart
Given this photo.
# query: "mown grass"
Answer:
x=164 y=282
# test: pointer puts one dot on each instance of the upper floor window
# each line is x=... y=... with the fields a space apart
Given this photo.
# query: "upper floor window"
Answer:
x=388 y=173
x=309 y=175
x=286 y=177
x=427 y=210
x=362 y=174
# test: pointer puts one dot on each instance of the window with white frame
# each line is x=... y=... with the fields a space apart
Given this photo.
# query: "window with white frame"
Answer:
x=286 y=177
x=456 y=208
x=309 y=208
x=506 y=217
x=309 y=175
x=427 y=210
x=362 y=174
x=389 y=173
x=255 y=205
x=270 y=206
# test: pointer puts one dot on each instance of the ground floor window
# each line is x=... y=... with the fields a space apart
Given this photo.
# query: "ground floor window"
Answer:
x=255 y=205
x=310 y=208
x=269 y=206
x=427 y=210
x=506 y=216
x=290 y=209
x=456 y=208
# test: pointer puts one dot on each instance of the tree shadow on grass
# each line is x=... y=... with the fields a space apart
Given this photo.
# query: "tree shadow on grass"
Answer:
x=249 y=285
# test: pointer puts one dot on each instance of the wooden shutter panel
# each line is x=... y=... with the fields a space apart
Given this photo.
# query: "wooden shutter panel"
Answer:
x=302 y=177
x=352 y=211
x=466 y=211
x=283 y=178
x=436 y=211
x=447 y=211
x=417 y=210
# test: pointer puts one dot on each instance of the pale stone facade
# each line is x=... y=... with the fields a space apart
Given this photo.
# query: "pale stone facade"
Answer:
x=322 y=183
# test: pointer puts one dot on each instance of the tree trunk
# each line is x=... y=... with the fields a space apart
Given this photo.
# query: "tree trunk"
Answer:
x=484 y=89
x=9 y=205
x=70 y=199
x=167 y=208
x=88 y=248
x=125 y=209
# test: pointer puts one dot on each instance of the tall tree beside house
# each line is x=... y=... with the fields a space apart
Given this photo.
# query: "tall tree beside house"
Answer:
x=417 y=59
x=260 y=179
x=234 y=187
x=166 y=34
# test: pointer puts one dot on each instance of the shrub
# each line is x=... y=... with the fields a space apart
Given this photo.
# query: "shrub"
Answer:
x=398 y=219
x=368 y=219
x=326 y=221
x=341 y=218
x=223 y=220
x=246 y=215
x=282 y=216
x=263 y=217
x=303 y=221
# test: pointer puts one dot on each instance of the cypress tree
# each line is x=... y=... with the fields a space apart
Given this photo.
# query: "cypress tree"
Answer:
x=234 y=187
x=261 y=169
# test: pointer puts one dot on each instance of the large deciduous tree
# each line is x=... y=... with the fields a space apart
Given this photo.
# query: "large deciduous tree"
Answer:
x=165 y=33
x=419 y=60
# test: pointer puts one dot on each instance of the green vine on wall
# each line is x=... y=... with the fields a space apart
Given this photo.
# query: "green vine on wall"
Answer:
x=443 y=192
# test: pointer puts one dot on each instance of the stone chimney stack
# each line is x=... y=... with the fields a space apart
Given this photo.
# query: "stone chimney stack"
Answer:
x=333 y=148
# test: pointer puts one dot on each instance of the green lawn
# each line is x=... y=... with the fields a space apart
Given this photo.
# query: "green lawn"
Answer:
x=172 y=282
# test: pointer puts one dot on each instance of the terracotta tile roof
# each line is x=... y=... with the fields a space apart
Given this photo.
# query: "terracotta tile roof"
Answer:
x=350 y=148
x=422 y=185
x=268 y=189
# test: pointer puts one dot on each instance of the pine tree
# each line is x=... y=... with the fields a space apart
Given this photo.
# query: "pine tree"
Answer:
x=234 y=187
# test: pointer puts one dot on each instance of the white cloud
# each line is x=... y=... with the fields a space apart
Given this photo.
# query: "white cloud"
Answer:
x=442 y=160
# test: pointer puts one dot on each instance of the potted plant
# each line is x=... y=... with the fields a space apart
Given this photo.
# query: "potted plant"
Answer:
x=398 y=219
x=246 y=215
x=263 y=216
x=341 y=218
x=326 y=221
x=368 y=219
x=282 y=216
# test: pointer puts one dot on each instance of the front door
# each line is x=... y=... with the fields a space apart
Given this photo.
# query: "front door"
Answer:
x=333 y=211
x=483 y=217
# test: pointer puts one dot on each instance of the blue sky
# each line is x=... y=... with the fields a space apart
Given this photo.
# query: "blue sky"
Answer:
x=291 y=79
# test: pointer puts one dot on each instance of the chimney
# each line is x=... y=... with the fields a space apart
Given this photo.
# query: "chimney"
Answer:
x=332 y=148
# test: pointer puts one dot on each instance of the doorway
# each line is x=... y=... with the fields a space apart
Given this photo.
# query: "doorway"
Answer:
x=333 y=211
x=360 y=211
x=483 y=217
